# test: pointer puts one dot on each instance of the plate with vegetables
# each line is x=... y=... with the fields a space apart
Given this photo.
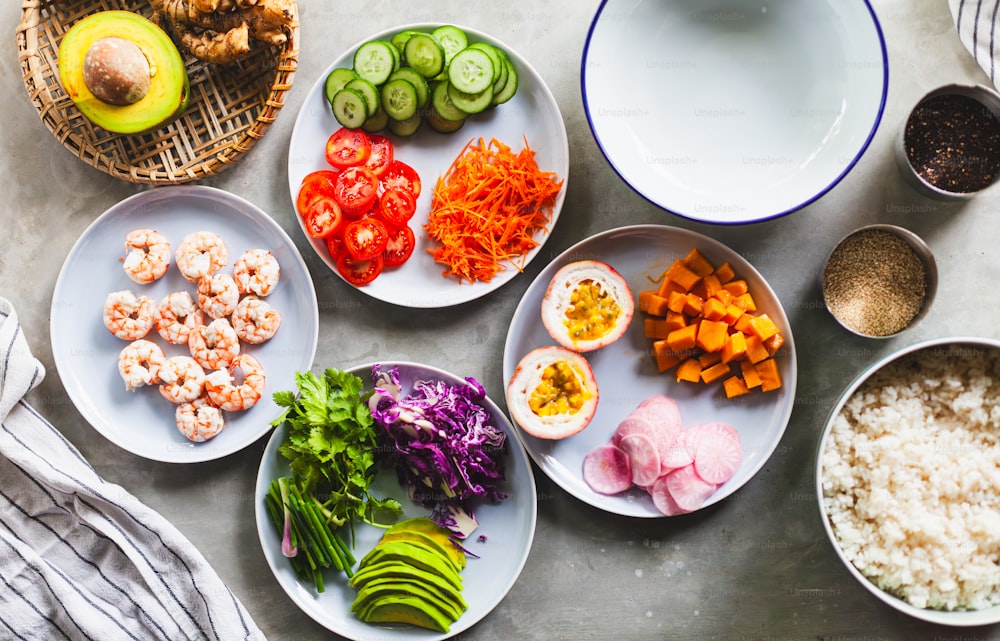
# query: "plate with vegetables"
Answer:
x=345 y=516
x=660 y=381
x=403 y=144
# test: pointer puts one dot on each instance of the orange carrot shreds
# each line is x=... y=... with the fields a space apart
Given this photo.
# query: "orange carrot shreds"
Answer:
x=488 y=208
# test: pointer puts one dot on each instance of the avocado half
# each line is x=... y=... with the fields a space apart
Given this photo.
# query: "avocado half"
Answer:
x=141 y=87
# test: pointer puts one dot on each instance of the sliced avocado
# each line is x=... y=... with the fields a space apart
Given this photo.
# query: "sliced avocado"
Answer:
x=444 y=547
x=384 y=572
x=407 y=609
x=104 y=75
x=391 y=588
x=416 y=554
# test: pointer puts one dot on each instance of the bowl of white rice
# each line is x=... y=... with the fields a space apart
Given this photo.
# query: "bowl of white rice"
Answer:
x=908 y=480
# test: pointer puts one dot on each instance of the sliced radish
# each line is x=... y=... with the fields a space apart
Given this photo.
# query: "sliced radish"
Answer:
x=607 y=470
x=688 y=490
x=659 y=409
x=662 y=499
x=717 y=451
x=631 y=425
x=675 y=454
x=643 y=457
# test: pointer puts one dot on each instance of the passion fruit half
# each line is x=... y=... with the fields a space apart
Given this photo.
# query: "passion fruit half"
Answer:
x=552 y=393
x=123 y=72
x=588 y=305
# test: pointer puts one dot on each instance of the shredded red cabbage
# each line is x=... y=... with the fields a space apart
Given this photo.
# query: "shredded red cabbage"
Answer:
x=441 y=442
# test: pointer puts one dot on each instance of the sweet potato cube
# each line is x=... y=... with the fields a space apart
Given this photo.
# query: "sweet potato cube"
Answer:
x=750 y=376
x=736 y=287
x=774 y=343
x=770 y=377
x=685 y=278
x=763 y=327
x=713 y=309
x=676 y=302
x=745 y=302
x=683 y=339
x=655 y=328
x=715 y=372
x=652 y=303
x=756 y=352
x=725 y=272
x=689 y=370
x=711 y=335
x=707 y=359
x=734 y=386
x=708 y=287
x=734 y=348
x=693 y=304
x=665 y=357
x=667 y=286
x=733 y=314
x=697 y=263
x=675 y=320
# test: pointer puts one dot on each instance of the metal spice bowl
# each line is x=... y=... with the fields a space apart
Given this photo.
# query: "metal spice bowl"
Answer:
x=949 y=146
x=879 y=281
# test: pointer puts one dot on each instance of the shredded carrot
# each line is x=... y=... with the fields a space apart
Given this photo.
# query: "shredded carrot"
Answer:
x=488 y=208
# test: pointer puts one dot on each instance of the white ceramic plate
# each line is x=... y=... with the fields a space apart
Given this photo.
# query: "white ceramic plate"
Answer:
x=509 y=527
x=626 y=373
x=86 y=354
x=532 y=114
x=732 y=111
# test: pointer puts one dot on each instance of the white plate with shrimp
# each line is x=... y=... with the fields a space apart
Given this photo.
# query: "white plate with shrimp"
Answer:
x=86 y=354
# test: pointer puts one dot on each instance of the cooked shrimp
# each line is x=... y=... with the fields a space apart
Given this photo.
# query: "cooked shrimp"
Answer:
x=255 y=321
x=147 y=255
x=176 y=315
x=256 y=272
x=139 y=363
x=182 y=379
x=218 y=295
x=199 y=420
x=226 y=392
x=127 y=316
x=216 y=345
x=201 y=253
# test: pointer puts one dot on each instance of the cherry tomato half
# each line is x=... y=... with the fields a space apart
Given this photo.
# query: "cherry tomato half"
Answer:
x=348 y=148
x=335 y=246
x=356 y=190
x=323 y=218
x=365 y=238
x=359 y=272
x=382 y=154
x=315 y=184
x=398 y=246
x=399 y=175
x=396 y=207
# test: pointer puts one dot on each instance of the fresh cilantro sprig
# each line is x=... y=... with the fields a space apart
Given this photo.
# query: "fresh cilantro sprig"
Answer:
x=331 y=449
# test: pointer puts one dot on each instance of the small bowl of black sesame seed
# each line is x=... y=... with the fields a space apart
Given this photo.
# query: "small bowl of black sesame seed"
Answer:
x=949 y=146
x=879 y=281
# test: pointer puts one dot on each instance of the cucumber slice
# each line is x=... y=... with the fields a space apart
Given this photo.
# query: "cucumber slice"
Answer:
x=350 y=108
x=399 y=99
x=376 y=122
x=471 y=103
x=425 y=54
x=442 y=104
x=399 y=40
x=471 y=71
x=442 y=125
x=419 y=83
x=494 y=55
x=337 y=80
x=510 y=87
x=452 y=39
x=406 y=127
x=368 y=90
x=374 y=61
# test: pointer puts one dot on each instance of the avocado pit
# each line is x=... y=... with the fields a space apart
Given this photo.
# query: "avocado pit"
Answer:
x=117 y=71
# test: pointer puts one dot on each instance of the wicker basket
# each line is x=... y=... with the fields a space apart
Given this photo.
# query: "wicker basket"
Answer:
x=230 y=106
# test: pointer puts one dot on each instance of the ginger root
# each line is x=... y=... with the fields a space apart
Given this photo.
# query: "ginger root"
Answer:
x=220 y=31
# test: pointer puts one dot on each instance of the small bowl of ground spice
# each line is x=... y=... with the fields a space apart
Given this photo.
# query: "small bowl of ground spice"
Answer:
x=949 y=146
x=879 y=280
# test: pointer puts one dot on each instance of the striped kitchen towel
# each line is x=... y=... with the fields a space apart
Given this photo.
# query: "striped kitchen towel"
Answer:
x=976 y=21
x=81 y=558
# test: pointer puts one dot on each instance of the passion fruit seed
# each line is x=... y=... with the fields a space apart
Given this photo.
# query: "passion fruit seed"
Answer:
x=559 y=392
x=592 y=312
x=116 y=71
